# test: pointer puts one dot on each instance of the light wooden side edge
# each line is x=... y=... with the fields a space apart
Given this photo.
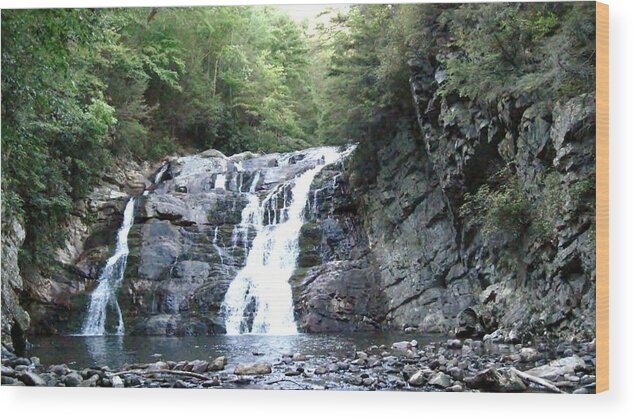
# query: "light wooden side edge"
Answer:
x=602 y=203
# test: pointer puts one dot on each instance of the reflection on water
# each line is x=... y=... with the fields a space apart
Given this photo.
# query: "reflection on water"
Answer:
x=98 y=348
x=115 y=351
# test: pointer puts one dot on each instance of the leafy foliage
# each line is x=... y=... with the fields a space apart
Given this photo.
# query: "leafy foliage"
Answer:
x=81 y=86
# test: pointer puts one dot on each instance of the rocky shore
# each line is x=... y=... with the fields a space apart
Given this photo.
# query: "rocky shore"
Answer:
x=454 y=365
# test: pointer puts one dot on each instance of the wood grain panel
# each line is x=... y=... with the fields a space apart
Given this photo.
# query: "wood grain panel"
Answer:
x=602 y=209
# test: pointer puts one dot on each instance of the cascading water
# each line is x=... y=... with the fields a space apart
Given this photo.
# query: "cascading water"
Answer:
x=105 y=294
x=259 y=299
x=109 y=282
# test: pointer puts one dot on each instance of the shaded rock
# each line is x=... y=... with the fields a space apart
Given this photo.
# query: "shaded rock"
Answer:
x=198 y=366
x=529 y=355
x=31 y=379
x=496 y=380
x=454 y=344
x=73 y=380
x=90 y=382
x=440 y=380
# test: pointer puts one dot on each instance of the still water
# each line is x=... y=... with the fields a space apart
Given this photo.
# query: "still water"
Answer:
x=115 y=351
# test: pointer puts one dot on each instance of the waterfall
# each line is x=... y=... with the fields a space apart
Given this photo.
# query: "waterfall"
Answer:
x=221 y=179
x=216 y=247
x=158 y=177
x=109 y=282
x=110 y=279
x=259 y=299
x=254 y=182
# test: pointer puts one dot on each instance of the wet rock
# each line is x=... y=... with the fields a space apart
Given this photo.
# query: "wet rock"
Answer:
x=292 y=373
x=59 y=370
x=299 y=357
x=73 y=380
x=180 y=384
x=454 y=344
x=456 y=388
x=9 y=381
x=321 y=370
x=253 y=369
x=529 y=355
x=198 y=366
x=117 y=382
x=496 y=380
x=581 y=390
x=218 y=364
x=418 y=379
x=90 y=382
x=441 y=380
x=31 y=379
x=214 y=382
x=7 y=371
x=159 y=365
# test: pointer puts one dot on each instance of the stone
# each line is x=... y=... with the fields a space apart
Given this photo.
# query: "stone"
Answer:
x=369 y=381
x=198 y=366
x=7 y=371
x=73 y=380
x=214 y=382
x=454 y=344
x=9 y=380
x=218 y=364
x=253 y=369
x=292 y=373
x=321 y=370
x=159 y=365
x=299 y=357
x=496 y=380
x=418 y=379
x=31 y=379
x=440 y=379
x=557 y=369
x=529 y=355
x=403 y=346
x=90 y=382
x=117 y=382
x=59 y=370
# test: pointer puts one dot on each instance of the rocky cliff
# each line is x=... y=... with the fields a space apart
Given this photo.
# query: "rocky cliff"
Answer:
x=461 y=218
x=479 y=217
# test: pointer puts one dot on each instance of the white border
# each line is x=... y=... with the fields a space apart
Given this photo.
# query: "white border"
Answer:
x=174 y=404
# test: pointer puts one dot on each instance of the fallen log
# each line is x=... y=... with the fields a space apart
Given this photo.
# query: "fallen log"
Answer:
x=540 y=381
x=305 y=387
x=169 y=372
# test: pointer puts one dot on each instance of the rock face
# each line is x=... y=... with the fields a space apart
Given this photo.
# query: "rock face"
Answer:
x=52 y=300
x=440 y=271
x=192 y=234
x=385 y=244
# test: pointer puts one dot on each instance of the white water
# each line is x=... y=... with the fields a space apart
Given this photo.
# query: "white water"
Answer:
x=215 y=244
x=254 y=182
x=220 y=181
x=109 y=282
x=158 y=177
x=262 y=285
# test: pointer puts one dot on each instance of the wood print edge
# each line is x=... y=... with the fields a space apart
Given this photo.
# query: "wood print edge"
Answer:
x=602 y=197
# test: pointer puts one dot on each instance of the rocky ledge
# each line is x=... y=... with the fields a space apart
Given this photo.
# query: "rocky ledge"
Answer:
x=454 y=365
